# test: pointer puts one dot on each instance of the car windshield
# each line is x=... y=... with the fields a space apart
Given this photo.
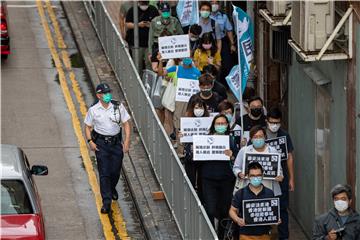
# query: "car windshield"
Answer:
x=14 y=198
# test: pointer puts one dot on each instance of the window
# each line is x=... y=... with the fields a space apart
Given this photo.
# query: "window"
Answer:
x=14 y=198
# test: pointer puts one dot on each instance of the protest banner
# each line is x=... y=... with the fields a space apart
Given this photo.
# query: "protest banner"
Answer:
x=193 y=126
x=188 y=12
x=177 y=46
x=270 y=163
x=258 y=212
x=185 y=88
x=280 y=144
x=210 y=147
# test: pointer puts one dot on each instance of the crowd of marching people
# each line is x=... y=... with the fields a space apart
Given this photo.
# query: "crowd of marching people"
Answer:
x=222 y=186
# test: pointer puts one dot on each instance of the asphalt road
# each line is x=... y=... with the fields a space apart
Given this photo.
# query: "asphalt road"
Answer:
x=35 y=117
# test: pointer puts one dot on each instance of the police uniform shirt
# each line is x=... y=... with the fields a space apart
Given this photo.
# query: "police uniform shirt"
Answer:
x=223 y=21
x=104 y=120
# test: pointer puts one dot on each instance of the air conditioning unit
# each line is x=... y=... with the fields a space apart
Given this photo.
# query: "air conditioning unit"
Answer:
x=312 y=23
x=280 y=50
x=277 y=8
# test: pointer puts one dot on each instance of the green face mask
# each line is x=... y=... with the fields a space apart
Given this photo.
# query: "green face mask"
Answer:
x=107 y=97
x=220 y=128
x=165 y=15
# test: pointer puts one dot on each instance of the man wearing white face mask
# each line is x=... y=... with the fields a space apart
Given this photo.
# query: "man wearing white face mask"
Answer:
x=341 y=222
x=273 y=130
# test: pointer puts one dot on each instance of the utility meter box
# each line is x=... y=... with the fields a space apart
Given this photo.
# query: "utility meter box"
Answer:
x=277 y=8
x=312 y=22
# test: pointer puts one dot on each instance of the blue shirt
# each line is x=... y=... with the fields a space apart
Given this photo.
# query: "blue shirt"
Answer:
x=188 y=73
x=223 y=21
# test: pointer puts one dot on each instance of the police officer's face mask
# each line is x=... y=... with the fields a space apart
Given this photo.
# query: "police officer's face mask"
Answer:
x=106 y=97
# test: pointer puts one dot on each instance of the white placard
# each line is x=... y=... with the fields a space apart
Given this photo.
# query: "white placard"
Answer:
x=210 y=147
x=177 y=46
x=213 y=114
x=191 y=126
x=185 y=89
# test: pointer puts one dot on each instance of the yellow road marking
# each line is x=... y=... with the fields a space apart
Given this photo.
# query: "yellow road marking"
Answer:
x=116 y=214
x=66 y=60
x=76 y=125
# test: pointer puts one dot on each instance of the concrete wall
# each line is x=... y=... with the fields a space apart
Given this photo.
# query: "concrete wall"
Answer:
x=302 y=93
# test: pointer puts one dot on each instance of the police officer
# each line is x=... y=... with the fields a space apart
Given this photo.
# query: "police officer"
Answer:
x=103 y=132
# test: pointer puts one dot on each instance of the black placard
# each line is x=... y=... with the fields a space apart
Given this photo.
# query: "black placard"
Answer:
x=270 y=163
x=280 y=144
x=261 y=211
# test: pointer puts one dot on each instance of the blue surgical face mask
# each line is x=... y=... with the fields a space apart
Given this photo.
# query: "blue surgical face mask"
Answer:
x=255 y=181
x=187 y=61
x=204 y=14
x=107 y=97
x=229 y=117
x=258 y=142
x=220 y=128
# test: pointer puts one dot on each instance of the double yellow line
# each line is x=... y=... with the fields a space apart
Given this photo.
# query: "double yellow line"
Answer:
x=116 y=214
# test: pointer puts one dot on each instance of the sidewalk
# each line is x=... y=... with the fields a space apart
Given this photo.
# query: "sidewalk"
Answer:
x=296 y=232
x=156 y=215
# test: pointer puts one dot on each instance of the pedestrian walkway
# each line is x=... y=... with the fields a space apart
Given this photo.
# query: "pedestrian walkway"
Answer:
x=156 y=216
x=296 y=232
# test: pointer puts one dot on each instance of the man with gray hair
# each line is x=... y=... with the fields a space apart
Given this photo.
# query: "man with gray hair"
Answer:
x=341 y=222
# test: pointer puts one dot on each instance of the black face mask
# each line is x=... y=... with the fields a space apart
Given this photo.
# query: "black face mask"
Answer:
x=206 y=92
x=256 y=112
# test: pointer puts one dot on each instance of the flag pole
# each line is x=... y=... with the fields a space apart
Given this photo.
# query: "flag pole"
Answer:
x=240 y=77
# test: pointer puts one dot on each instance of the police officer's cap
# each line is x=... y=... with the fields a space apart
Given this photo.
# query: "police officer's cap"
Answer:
x=164 y=6
x=103 y=88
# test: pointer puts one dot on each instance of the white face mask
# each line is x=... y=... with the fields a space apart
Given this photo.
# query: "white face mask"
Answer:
x=274 y=127
x=214 y=7
x=341 y=205
x=199 y=112
x=144 y=7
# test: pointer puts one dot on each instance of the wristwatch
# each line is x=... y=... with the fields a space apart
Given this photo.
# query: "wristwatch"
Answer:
x=89 y=140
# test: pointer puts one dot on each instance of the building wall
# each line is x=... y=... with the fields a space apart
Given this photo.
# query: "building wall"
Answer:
x=302 y=110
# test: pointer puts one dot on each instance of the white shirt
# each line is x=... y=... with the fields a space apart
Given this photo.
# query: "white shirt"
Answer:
x=272 y=184
x=104 y=120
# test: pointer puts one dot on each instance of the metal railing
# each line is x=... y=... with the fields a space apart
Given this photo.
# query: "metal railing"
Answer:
x=181 y=197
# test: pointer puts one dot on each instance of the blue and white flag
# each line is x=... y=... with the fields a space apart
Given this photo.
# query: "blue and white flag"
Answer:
x=238 y=76
x=233 y=81
x=188 y=12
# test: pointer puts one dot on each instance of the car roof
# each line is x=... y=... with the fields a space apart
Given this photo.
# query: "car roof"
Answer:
x=11 y=162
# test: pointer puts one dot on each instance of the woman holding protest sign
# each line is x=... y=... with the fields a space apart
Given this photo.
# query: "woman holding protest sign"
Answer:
x=196 y=109
x=216 y=175
x=258 y=146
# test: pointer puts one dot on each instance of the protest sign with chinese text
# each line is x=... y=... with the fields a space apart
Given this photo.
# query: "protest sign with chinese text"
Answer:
x=185 y=88
x=280 y=144
x=191 y=126
x=210 y=147
x=270 y=163
x=261 y=211
x=176 y=46
x=188 y=12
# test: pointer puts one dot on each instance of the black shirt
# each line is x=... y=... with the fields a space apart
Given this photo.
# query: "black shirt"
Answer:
x=211 y=103
x=237 y=202
x=220 y=90
x=249 y=123
x=290 y=146
x=146 y=15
